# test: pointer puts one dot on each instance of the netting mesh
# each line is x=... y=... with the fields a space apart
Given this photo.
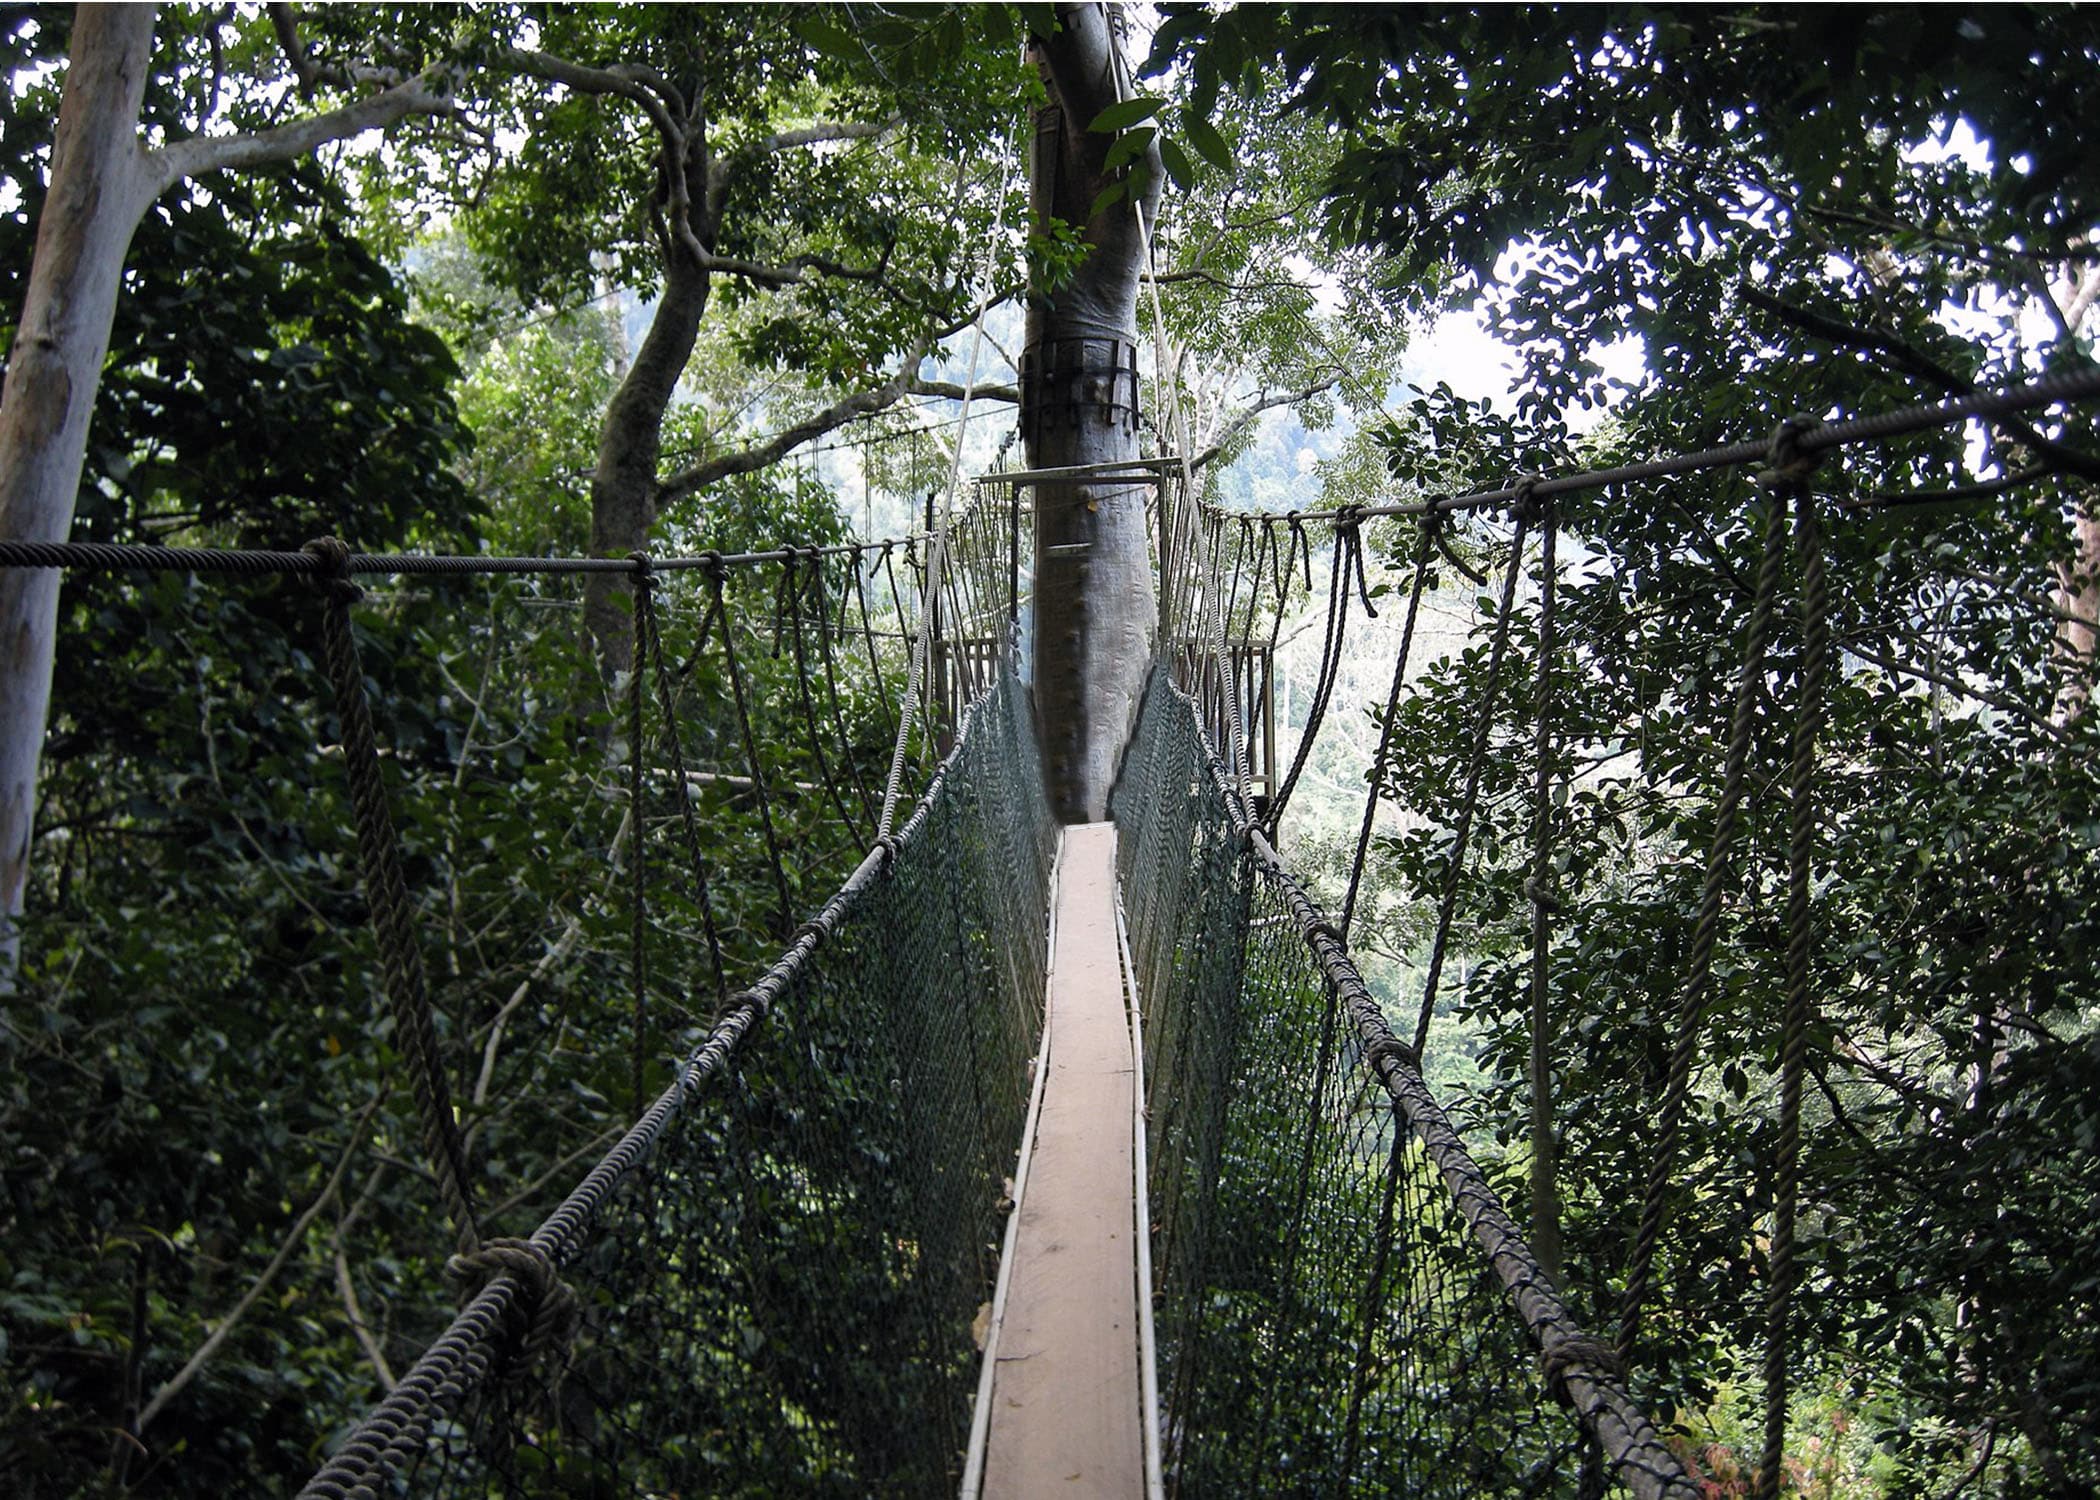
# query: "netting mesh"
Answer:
x=1334 y=1278
x=776 y=1276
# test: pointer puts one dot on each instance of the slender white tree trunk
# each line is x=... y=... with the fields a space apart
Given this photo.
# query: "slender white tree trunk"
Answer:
x=101 y=183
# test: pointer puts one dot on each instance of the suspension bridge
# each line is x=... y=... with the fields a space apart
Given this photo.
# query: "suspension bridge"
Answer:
x=895 y=1226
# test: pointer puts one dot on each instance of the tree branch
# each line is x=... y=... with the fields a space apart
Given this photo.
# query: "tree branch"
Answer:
x=2082 y=300
x=345 y=1286
x=1850 y=336
x=723 y=173
x=1955 y=686
x=1223 y=283
x=182 y=1377
x=784 y=442
x=1231 y=431
x=645 y=86
x=787 y=273
x=425 y=94
x=811 y=135
x=955 y=392
x=889 y=393
x=1980 y=490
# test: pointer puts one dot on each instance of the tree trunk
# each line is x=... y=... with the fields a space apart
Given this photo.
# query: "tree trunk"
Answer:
x=623 y=488
x=100 y=185
x=1094 y=605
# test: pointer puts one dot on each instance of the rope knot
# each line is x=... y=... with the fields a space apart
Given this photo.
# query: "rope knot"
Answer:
x=760 y=1000
x=887 y=844
x=332 y=553
x=1541 y=893
x=1326 y=929
x=711 y=564
x=815 y=930
x=1785 y=463
x=546 y=1313
x=1574 y=1352
x=1389 y=1048
x=1530 y=506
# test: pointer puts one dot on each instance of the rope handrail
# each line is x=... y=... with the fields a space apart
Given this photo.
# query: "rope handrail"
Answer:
x=1813 y=438
x=262 y=563
x=1582 y=1369
x=463 y=1357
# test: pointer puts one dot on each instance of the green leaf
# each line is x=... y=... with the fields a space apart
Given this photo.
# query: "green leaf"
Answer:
x=830 y=38
x=1105 y=200
x=1209 y=144
x=1177 y=163
x=1125 y=113
x=1128 y=148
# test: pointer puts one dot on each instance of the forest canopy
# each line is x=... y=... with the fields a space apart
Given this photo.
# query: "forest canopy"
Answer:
x=596 y=281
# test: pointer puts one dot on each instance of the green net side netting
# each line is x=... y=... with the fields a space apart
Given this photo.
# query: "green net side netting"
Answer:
x=769 y=1287
x=1342 y=1302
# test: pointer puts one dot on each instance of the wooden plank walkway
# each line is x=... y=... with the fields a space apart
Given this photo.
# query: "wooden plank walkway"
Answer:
x=1066 y=1408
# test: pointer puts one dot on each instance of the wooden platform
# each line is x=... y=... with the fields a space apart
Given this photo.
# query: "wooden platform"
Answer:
x=1066 y=1388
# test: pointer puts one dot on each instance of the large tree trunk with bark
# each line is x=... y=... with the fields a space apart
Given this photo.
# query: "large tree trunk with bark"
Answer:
x=623 y=487
x=101 y=183
x=1094 y=602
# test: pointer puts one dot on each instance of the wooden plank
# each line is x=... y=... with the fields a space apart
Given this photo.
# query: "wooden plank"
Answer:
x=1065 y=1416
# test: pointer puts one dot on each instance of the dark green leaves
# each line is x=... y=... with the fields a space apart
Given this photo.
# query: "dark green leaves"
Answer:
x=1125 y=113
x=1204 y=136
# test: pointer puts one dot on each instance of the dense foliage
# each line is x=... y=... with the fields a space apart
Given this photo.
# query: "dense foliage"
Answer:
x=1790 y=210
x=215 y=1212
x=218 y=1242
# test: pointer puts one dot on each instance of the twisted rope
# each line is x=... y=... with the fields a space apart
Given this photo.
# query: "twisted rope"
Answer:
x=637 y=799
x=1545 y=1188
x=393 y=1436
x=1791 y=471
x=1705 y=933
x=1814 y=438
x=386 y=893
x=751 y=760
x=1476 y=763
x=674 y=746
x=1593 y=1385
x=1346 y=540
x=544 y=1318
x=1385 y=731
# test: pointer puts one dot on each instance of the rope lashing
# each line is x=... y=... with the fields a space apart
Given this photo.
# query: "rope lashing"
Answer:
x=1790 y=470
x=1571 y=1353
x=1706 y=929
x=544 y=1320
x=1526 y=501
x=386 y=893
